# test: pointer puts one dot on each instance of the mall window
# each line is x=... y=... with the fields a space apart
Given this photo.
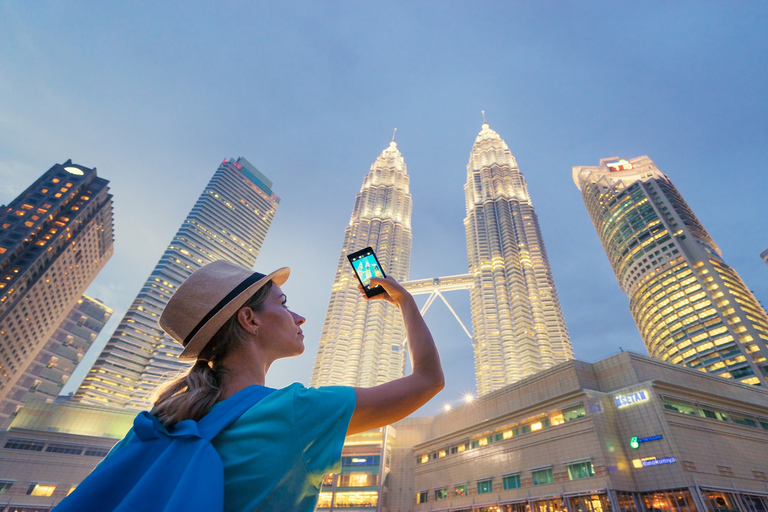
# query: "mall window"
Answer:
x=674 y=500
x=24 y=444
x=713 y=414
x=590 y=503
x=36 y=489
x=511 y=481
x=459 y=491
x=678 y=406
x=325 y=500
x=422 y=497
x=626 y=502
x=580 y=470
x=574 y=412
x=357 y=499
x=358 y=480
x=743 y=420
x=543 y=476
x=369 y=460
x=441 y=494
x=484 y=486
x=717 y=501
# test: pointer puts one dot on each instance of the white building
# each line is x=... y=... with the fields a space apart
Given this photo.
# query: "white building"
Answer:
x=363 y=342
x=517 y=321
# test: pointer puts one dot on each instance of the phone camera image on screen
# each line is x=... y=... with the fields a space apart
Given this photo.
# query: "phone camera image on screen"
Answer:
x=366 y=266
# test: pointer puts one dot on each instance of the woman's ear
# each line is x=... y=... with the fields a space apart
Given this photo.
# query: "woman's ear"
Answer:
x=248 y=320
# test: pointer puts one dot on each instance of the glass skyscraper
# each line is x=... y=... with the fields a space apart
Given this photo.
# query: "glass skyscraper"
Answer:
x=54 y=239
x=690 y=307
x=363 y=342
x=517 y=321
x=229 y=221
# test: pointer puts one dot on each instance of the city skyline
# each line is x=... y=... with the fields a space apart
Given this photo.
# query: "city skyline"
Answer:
x=310 y=92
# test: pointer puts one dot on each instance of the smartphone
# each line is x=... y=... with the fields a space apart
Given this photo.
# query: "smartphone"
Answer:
x=366 y=266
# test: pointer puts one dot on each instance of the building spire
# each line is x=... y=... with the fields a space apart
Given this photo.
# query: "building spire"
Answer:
x=394 y=135
x=483 y=112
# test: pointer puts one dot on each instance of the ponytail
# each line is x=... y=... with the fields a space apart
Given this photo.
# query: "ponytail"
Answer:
x=192 y=395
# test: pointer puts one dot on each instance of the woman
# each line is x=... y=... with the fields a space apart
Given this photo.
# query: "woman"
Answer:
x=234 y=323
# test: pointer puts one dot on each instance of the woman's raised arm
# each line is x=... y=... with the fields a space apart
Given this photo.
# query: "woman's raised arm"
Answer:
x=386 y=403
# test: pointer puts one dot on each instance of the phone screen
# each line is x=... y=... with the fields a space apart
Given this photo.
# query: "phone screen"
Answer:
x=366 y=266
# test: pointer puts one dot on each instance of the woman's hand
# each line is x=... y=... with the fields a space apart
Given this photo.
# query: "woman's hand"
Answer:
x=393 y=291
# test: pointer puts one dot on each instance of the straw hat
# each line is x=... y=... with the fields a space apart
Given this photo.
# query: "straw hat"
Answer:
x=207 y=299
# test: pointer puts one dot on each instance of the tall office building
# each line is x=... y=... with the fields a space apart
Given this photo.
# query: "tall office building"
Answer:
x=516 y=317
x=49 y=371
x=362 y=342
x=691 y=308
x=54 y=239
x=229 y=221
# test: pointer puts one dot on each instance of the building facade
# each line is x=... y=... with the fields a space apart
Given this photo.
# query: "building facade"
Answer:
x=517 y=321
x=50 y=448
x=626 y=434
x=690 y=307
x=764 y=256
x=229 y=221
x=363 y=342
x=54 y=239
x=49 y=371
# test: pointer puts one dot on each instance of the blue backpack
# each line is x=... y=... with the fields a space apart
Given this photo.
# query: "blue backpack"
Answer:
x=164 y=470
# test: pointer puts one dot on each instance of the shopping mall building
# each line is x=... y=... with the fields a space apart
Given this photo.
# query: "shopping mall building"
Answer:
x=626 y=434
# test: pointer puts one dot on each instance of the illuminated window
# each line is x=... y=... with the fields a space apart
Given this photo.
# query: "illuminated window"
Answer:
x=5 y=485
x=421 y=497
x=441 y=494
x=325 y=500
x=460 y=490
x=40 y=489
x=358 y=480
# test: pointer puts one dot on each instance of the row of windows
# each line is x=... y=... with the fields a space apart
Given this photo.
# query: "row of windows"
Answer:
x=707 y=411
x=557 y=417
x=576 y=471
x=69 y=449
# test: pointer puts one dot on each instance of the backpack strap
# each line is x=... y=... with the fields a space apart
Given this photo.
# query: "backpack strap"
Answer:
x=146 y=426
x=226 y=412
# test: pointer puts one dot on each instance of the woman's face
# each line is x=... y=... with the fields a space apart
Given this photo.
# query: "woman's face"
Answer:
x=279 y=327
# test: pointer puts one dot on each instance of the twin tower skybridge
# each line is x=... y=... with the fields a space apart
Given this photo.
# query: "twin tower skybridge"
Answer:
x=435 y=287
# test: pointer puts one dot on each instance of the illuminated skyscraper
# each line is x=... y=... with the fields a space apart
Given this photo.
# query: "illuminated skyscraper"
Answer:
x=229 y=221
x=691 y=308
x=54 y=239
x=516 y=317
x=362 y=342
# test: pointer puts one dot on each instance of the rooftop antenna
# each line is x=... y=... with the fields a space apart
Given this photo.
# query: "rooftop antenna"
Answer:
x=393 y=135
x=483 y=112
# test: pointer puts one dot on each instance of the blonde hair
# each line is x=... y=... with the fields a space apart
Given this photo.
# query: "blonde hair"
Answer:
x=191 y=395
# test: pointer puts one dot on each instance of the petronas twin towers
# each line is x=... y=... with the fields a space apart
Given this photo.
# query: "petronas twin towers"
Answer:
x=517 y=321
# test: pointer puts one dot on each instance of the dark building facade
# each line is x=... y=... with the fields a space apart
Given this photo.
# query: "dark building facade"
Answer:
x=54 y=239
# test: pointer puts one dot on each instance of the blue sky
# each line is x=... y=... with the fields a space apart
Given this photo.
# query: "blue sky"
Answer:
x=155 y=95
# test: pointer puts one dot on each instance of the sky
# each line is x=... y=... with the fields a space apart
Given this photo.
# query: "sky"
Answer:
x=156 y=94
